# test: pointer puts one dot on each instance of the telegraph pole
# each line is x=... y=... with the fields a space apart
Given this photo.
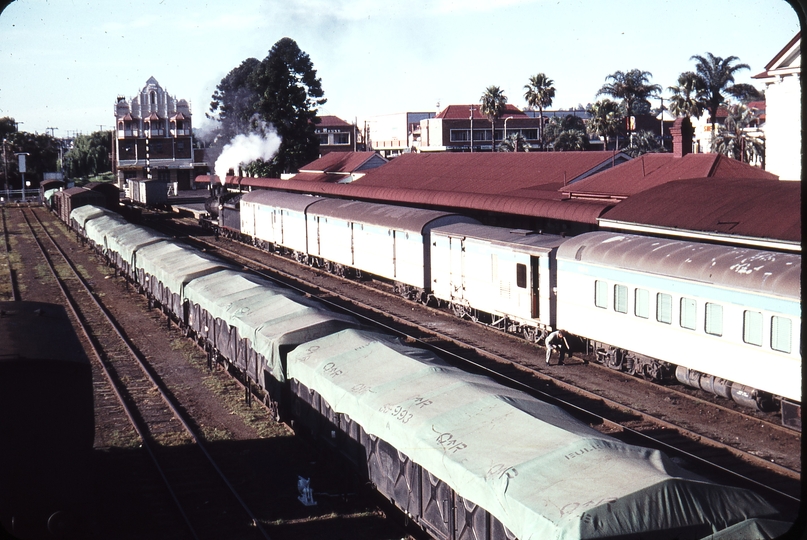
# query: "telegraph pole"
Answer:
x=5 y=169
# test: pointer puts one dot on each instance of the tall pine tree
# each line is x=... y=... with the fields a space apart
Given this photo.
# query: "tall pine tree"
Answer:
x=282 y=90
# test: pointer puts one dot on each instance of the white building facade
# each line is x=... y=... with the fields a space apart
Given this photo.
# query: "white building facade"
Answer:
x=782 y=78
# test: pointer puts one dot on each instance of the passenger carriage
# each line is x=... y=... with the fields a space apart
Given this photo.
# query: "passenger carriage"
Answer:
x=716 y=315
x=273 y=219
x=391 y=242
x=503 y=276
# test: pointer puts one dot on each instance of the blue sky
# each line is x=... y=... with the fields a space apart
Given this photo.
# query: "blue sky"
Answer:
x=64 y=62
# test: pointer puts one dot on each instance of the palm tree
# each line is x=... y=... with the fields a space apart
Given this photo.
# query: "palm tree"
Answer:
x=643 y=142
x=633 y=88
x=513 y=142
x=571 y=139
x=539 y=93
x=493 y=104
x=605 y=119
x=735 y=141
x=689 y=97
x=717 y=75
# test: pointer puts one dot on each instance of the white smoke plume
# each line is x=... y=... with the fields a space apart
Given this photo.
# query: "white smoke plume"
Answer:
x=245 y=148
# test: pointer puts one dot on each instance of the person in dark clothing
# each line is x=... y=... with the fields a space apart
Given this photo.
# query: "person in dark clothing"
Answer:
x=556 y=341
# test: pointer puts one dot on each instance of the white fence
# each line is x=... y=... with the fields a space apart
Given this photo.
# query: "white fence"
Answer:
x=18 y=195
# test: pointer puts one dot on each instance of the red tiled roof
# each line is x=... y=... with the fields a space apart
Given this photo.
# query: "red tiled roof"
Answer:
x=750 y=207
x=578 y=211
x=463 y=112
x=332 y=121
x=651 y=170
x=318 y=177
x=489 y=173
x=339 y=162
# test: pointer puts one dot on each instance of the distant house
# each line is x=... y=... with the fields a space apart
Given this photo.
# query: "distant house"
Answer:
x=782 y=78
x=335 y=135
x=154 y=138
x=339 y=167
x=450 y=130
x=393 y=134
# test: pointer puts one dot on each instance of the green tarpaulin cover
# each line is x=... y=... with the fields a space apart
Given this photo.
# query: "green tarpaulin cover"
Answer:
x=541 y=472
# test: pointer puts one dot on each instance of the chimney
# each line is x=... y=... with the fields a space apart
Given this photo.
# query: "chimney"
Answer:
x=681 y=131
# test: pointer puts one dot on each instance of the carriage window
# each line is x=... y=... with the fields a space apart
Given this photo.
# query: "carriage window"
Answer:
x=780 y=334
x=714 y=319
x=521 y=275
x=689 y=313
x=641 y=304
x=752 y=327
x=620 y=298
x=664 y=308
x=601 y=294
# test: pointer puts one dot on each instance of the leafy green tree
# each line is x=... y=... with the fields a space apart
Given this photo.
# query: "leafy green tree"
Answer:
x=717 y=75
x=606 y=119
x=7 y=127
x=539 y=94
x=43 y=154
x=89 y=155
x=643 y=142
x=281 y=91
x=734 y=139
x=633 y=88
x=689 y=96
x=493 y=103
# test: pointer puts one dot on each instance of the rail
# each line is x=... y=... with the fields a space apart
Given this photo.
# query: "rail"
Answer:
x=107 y=369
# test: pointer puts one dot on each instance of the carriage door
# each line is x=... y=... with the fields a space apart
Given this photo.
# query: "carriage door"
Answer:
x=457 y=267
x=394 y=253
x=534 y=292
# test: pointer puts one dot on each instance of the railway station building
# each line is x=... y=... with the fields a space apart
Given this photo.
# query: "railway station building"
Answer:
x=154 y=138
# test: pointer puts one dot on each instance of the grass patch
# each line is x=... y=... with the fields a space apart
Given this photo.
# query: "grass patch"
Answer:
x=231 y=393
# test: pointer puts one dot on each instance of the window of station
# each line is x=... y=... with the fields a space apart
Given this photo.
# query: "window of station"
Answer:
x=601 y=294
x=620 y=298
x=752 y=327
x=664 y=308
x=521 y=275
x=781 y=329
x=714 y=319
x=641 y=304
x=689 y=313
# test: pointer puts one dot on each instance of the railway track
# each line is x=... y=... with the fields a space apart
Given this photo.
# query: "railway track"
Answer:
x=13 y=292
x=709 y=456
x=196 y=499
